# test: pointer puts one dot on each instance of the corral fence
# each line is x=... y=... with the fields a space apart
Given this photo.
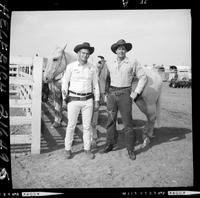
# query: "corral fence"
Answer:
x=25 y=87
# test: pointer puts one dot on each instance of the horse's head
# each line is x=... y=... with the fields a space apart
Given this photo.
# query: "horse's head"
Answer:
x=57 y=64
x=101 y=63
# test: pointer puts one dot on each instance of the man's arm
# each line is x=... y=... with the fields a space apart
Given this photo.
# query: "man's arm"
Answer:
x=65 y=82
x=142 y=80
x=95 y=85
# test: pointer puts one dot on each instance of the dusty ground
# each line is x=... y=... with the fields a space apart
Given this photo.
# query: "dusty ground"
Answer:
x=167 y=163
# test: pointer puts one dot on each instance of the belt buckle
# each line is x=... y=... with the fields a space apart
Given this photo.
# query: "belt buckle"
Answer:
x=119 y=93
x=82 y=98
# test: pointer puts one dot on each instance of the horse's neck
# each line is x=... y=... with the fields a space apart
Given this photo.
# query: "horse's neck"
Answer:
x=70 y=57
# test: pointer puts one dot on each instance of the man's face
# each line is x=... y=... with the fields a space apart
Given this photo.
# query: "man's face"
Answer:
x=121 y=52
x=83 y=55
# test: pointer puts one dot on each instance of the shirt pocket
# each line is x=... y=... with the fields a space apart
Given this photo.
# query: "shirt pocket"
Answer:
x=127 y=70
x=75 y=74
x=88 y=73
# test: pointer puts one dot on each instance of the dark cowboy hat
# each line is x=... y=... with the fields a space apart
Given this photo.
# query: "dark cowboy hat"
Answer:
x=84 y=45
x=121 y=42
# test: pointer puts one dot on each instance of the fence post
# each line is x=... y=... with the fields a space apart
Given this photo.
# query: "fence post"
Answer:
x=36 y=105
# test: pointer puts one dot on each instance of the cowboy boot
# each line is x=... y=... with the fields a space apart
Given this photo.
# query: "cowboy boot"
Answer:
x=89 y=154
x=68 y=154
x=107 y=148
x=131 y=154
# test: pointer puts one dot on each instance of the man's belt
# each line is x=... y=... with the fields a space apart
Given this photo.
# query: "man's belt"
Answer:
x=118 y=88
x=73 y=98
x=80 y=94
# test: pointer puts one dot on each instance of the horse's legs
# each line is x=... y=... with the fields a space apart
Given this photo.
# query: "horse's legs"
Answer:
x=51 y=92
x=57 y=103
x=150 y=112
x=58 y=108
x=151 y=117
x=94 y=124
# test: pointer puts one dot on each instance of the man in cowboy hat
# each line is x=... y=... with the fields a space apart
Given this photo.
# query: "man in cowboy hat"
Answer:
x=120 y=96
x=78 y=84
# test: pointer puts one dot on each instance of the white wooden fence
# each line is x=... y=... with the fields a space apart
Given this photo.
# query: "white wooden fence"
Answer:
x=26 y=81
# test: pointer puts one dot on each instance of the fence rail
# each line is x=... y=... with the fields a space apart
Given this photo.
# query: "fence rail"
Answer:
x=26 y=82
x=20 y=139
x=20 y=120
x=14 y=103
x=21 y=80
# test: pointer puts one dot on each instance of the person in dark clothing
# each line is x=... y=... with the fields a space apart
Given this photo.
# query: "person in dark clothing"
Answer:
x=120 y=97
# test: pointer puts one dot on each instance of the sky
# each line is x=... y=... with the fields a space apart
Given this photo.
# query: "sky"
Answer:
x=158 y=36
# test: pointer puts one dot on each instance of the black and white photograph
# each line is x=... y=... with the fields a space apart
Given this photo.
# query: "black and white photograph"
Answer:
x=101 y=99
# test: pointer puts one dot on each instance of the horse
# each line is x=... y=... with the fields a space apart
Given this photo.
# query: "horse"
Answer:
x=53 y=73
x=149 y=102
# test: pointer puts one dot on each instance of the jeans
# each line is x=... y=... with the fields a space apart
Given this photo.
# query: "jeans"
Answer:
x=120 y=100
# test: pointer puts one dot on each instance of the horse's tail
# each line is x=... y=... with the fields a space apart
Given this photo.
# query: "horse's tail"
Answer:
x=158 y=108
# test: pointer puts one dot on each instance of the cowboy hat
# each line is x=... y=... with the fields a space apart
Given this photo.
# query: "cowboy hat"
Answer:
x=84 y=45
x=121 y=42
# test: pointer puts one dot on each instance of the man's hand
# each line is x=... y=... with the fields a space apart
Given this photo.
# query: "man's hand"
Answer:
x=96 y=105
x=64 y=94
x=134 y=96
x=66 y=97
x=106 y=98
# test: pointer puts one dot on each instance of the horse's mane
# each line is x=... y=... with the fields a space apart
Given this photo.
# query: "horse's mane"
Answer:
x=70 y=57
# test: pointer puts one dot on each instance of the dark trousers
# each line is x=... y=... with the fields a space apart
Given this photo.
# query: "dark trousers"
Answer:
x=120 y=100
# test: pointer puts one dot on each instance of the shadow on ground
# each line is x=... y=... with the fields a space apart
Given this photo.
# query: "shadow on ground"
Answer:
x=162 y=135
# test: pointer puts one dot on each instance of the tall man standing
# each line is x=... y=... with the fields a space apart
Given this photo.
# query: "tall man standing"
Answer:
x=122 y=72
x=78 y=84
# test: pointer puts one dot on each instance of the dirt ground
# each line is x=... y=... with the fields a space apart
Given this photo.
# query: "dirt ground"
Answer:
x=168 y=162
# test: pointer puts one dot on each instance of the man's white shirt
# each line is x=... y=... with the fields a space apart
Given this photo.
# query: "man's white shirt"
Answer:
x=81 y=79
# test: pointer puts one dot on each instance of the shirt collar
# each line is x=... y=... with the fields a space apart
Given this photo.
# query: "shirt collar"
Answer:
x=126 y=60
x=79 y=64
x=85 y=65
